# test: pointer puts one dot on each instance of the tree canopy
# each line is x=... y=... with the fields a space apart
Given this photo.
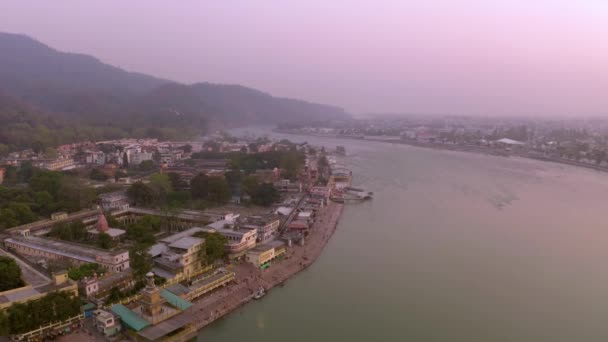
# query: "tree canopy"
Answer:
x=10 y=274
x=265 y=195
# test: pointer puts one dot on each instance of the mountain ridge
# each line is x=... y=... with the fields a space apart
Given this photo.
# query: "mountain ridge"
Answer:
x=73 y=83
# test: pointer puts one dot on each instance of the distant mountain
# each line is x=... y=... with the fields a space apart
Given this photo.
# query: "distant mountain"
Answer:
x=84 y=89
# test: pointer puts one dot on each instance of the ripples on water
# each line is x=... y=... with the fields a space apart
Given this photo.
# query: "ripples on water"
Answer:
x=453 y=247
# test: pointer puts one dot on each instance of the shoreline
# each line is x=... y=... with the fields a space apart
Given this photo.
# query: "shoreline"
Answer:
x=226 y=300
x=461 y=148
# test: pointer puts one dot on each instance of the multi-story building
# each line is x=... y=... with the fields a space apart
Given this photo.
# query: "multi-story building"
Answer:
x=55 y=164
x=262 y=255
x=115 y=261
x=97 y=158
x=239 y=239
x=183 y=256
x=137 y=157
x=267 y=226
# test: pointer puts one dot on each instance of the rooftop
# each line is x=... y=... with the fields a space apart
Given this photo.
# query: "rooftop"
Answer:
x=157 y=249
x=186 y=242
x=189 y=232
x=266 y=246
x=70 y=250
x=113 y=232
x=129 y=317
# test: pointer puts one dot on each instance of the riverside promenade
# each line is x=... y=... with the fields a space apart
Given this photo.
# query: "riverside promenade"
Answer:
x=248 y=278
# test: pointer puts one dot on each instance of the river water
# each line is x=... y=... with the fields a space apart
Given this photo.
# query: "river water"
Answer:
x=454 y=247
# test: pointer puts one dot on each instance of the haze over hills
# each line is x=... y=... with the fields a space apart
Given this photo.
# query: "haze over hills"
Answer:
x=82 y=90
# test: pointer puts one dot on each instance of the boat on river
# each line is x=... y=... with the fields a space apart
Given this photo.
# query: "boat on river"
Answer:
x=260 y=293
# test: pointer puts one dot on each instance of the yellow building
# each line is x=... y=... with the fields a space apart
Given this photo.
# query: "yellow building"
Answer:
x=262 y=255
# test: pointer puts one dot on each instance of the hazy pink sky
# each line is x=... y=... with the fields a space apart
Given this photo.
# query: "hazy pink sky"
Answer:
x=428 y=56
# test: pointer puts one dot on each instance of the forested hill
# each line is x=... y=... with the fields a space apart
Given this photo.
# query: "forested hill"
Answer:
x=84 y=91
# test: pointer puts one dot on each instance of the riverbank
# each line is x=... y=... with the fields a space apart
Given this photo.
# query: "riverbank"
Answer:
x=248 y=278
x=464 y=148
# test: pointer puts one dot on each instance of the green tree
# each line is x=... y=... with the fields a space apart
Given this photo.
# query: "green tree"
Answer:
x=45 y=202
x=140 y=260
x=290 y=164
x=156 y=156
x=104 y=241
x=85 y=270
x=219 y=191
x=146 y=165
x=50 y=152
x=199 y=186
x=125 y=160
x=114 y=296
x=37 y=146
x=74 y=231
x=96 y=174
x=215 y=246
x=141 y=194
x=10 y=274
x=176 y=180
x=4 y=150
x=22 y=213
x=8 y=218
x=74 y=195
x=43 y=180
x=160 y=182
x=234 y=178
x=4 y=326
x=266 y=195
x=250 y=185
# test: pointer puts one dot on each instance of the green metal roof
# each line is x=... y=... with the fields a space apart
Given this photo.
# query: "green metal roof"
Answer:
x=175 y=300
x=129 y=317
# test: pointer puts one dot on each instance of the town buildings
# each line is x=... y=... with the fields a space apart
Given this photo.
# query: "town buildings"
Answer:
x=239 y=238
x=59 y=283
x=178 y=254
x=107 y=323
x=261 y=256
x=115 y=261
x=102 y=227
x=182 y=256
x=267 y=226
x=99 y=287
x=61 y=163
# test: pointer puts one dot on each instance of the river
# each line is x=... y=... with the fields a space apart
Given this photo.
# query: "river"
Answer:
x=454 y=247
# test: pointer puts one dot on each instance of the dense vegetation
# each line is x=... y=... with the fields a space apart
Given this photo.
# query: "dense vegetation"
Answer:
x=77 y=98
x=31 y=193
x=290 y=161
x=85 y=270
x=10 y=274
x=23 y=317
x=214 y=246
